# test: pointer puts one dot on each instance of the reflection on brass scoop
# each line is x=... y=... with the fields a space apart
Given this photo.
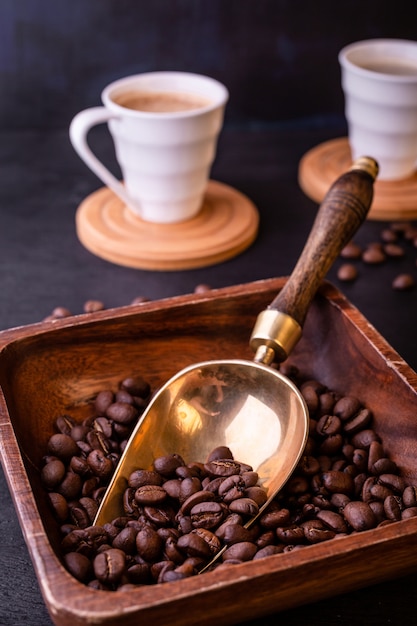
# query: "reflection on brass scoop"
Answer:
x=249 y=406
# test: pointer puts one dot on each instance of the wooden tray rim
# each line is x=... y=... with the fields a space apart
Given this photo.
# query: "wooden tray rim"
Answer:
x=65 y=596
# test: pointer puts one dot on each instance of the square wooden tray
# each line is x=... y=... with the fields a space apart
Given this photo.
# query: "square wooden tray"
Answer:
x=54 y=367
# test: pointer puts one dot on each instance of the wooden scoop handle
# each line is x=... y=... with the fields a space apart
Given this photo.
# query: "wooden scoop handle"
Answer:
x=342 y=211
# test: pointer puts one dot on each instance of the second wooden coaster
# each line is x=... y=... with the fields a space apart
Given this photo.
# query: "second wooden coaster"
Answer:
x=321 y=166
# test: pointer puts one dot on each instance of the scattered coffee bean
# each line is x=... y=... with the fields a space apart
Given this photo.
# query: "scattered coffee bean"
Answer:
x=374 y=254
x=91 y=306
x=351 y=251
x=347 y=272
x=388 y=235
x=202 y=288
x=393 y=250
x=403 y=282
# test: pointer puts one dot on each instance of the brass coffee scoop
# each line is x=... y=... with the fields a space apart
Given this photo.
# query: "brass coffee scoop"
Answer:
x=247 y=406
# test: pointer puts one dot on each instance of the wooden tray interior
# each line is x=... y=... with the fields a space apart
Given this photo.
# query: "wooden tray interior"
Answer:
x=52 y=368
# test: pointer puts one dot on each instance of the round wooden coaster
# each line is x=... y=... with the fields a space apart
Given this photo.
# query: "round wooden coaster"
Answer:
x=321 y=166
x=225 y=226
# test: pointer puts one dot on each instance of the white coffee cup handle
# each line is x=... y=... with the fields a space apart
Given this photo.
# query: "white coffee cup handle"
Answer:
x=78 y=131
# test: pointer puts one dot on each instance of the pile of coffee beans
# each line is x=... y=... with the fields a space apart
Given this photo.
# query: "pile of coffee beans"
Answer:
x=180 y=513
x=395 y=238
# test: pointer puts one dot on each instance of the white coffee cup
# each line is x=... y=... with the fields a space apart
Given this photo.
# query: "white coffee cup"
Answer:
x=379 y=80
x=165 y=127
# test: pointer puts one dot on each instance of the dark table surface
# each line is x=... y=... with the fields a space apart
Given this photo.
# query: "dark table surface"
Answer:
x=43 y=265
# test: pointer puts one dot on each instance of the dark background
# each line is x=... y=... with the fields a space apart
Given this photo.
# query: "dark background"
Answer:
x=278 y=57
x=279 y=62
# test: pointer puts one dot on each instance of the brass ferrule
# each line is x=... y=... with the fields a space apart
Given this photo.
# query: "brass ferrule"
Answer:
x=274 y=331
x=366 y=164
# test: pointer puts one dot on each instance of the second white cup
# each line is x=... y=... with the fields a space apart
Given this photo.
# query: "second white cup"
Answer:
x=379 y=79
x=165 y=127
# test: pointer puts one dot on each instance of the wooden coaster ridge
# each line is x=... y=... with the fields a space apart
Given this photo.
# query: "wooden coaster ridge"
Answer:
x=226 y=225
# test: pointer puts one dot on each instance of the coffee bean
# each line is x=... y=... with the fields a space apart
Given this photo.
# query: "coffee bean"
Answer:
x=79 y=566
x=242 y=551
x=269 y=550
x=346 y=407
x=359 y=422
x=150 y=495
x=273 y=519
x=388 y=235
x=196 y=498
x=64 y=423
x=364 y=438
x=122 y=413
x=103 y=400
x=189 y=486
x=235 y=533
x=160 y=515
x=374 y=254
x=231 y=488
x=53 y=473
x=257 y=494
x=100 y=465
x=359 y=515
x=311 y=398
x=166 y=465
x=347 y=272
x=351 y=251
x=210 y=538
x=91 y=306
x=172 y=487
x=221 y=452
x=109 y=566
x=333 y=520
x=392 y=507
x=291 y=535
x=384 y=466
x=410 y=512
x=59 y=505
x=331 y=445
x=316 y=532
x=194 y=545
x=245 y=507
x=403 y=282
x=141 y=477
x=207 y=514
x=136 y=386
x=139 y=574
x=70 y=486
x=393 y=481
x=410 y=496
x=394 y=250
x=149 y=544
x=338 y=482
x=222 y=467
x=62 y=446
x=126 y=540
x=328 y=425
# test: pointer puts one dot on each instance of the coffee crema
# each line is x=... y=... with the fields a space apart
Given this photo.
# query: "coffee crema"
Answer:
x=394 y=67
x=161 y=101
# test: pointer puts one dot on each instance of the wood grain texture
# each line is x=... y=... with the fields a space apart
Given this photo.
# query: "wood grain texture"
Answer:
x=52 y=367
x=342 y=211
x=320 y=166
x=225 y=226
